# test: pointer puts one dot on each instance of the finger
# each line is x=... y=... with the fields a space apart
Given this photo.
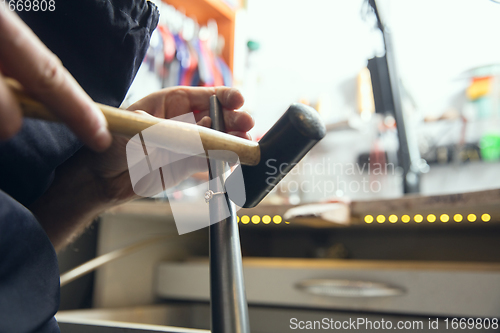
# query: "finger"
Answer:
x=10 y=112
x=234 y=120
x=199 y=97
x=230 y=98
x=243 y=135
x=205 y=122
x=173 y=102
x=189 y=99
x=41 y=73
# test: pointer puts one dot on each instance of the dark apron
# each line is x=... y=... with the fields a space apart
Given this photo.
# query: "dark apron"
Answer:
x=102 y=44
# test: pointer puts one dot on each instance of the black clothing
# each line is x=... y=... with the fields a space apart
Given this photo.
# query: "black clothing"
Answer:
x=102 y=43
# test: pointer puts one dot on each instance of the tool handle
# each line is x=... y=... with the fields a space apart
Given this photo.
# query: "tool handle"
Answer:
x=172 y=132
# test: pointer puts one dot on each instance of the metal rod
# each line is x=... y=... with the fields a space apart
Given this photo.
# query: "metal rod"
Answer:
x=229 y=309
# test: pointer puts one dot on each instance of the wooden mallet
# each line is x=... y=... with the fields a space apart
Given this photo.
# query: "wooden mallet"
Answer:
x=284 y=145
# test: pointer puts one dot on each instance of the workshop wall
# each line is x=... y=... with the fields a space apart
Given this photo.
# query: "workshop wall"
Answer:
x=315 y=49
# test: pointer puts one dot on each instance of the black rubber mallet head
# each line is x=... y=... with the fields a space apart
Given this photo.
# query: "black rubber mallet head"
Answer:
x=281 y=148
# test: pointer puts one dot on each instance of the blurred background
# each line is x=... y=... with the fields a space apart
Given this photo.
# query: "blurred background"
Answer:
x=317 y=53
x=410 y=94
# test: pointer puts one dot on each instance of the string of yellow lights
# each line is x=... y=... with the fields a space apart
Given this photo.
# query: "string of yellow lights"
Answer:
x=431 y=218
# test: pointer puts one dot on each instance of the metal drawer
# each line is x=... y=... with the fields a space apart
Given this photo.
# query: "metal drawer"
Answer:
x=416 y=288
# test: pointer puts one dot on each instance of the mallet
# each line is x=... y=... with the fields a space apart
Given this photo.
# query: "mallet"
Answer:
x=281 y=148
x=284 y=145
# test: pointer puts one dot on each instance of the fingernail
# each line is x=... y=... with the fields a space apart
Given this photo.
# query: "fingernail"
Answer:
x=228 y=96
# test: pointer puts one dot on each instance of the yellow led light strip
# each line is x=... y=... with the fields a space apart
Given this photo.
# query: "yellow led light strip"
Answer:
x=431 y=218
x=256 y=219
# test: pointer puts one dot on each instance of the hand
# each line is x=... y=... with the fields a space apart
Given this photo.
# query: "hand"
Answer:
x=25 y=58
x=103 y=179
x=111 y=168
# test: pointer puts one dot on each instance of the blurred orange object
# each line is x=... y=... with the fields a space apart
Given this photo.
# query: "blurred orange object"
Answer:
x=479 y=87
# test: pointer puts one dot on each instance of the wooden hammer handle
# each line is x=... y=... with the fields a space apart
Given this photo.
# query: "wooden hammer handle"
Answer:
x=172 y=135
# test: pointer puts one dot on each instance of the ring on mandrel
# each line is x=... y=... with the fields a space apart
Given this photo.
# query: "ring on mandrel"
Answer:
x=210 y=194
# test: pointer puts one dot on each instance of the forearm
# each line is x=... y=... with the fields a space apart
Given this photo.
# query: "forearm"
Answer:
x=71 y=203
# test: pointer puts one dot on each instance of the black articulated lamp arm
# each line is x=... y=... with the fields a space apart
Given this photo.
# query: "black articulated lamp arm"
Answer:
x=408 y=155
